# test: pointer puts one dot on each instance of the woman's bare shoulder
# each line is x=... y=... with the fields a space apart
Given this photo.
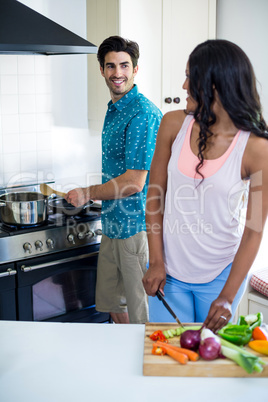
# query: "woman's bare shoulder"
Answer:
x=175 y=118
x=256 y=153
x=172 y=122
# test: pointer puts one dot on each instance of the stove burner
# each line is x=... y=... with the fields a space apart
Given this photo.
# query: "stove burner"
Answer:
x=23 y=227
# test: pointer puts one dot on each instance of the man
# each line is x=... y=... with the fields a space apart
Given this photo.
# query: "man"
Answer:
x=128 y=142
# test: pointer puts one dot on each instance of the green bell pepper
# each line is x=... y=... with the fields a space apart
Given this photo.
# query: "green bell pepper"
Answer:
x=237 y=334
x=252 y=320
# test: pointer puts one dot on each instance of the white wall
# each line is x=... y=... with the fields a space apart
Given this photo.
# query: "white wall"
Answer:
x=43 y=108
x=245 y=23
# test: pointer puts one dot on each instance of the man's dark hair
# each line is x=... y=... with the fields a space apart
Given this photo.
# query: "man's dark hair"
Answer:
x=118 y=44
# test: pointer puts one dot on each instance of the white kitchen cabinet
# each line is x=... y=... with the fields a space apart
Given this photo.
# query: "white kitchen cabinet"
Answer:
x=102 y=22
x=166 y=31
x=185 y=25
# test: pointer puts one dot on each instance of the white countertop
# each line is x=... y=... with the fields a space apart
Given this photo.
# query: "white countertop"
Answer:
x=63 y=362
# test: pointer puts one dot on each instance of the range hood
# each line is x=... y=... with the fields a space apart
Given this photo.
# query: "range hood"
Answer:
x=24 y=31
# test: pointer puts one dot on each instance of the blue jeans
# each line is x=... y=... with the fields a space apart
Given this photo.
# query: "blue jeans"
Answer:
x=191 y=302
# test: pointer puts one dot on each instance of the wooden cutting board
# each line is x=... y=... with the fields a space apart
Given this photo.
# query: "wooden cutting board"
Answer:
x=166 y=366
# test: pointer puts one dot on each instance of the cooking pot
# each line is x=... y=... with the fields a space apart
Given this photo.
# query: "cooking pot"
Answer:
x=23 y=208
x=60 y=205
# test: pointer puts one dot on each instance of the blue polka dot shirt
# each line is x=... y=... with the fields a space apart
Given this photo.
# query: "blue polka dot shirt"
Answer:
x=128 y=142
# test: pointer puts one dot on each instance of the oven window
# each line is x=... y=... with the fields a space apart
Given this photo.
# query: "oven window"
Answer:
x=63 y=293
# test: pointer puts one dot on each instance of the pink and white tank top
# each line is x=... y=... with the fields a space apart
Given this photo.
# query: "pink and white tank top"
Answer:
x=202 y=231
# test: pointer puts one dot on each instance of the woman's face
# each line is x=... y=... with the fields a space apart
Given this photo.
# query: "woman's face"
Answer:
x=191 y=104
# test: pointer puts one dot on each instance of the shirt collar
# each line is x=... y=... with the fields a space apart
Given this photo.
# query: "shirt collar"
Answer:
x=125 y=100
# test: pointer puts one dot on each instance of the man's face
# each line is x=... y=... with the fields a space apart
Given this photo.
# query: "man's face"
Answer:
x=118 y=73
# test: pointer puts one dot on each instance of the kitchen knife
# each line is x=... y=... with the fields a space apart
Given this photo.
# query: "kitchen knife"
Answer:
x=162 y=299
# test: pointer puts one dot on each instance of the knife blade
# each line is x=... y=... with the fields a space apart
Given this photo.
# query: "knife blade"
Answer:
x=162 y=299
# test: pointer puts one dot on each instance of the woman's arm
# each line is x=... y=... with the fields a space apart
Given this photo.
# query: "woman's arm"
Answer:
x=256 y=167
x=155 y=277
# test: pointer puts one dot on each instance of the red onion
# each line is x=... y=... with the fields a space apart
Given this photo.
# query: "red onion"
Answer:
x=190 y=339
x=210 y=348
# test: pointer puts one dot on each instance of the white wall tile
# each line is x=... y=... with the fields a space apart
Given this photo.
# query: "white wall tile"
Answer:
x=9 y=104
x=27 y=104
x=42 y=65
x=26 y=65
x=28 y=161
x=26 y=84
x=43 y=122
x=11 y=144
x=10 y=123
x=1 y=147
x=27 y=123
x=28 y=142
x=44 y=159
x=44 y=141
x=11 y=162
x=43 y=84
x=9 y=64
x=43 y=103
x=9 y=85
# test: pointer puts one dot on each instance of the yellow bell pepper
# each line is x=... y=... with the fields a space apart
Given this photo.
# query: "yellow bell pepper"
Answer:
x=259 y=346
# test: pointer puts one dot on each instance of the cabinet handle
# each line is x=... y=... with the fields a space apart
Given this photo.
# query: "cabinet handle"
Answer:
x=176 y=100
x=168 y=100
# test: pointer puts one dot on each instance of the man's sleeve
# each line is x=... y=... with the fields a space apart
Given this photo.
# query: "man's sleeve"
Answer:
x=140 y=141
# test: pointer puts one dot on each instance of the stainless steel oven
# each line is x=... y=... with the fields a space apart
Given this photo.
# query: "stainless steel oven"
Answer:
x=48 y=272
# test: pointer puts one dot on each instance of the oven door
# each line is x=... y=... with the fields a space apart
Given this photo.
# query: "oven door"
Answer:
x=59 y=287
x=8 y=292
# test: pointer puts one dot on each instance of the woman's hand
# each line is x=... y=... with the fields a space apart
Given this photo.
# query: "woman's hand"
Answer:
x=219 y=314
x=154 y=279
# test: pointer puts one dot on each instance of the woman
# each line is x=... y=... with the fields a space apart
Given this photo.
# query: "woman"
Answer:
x=209 y=161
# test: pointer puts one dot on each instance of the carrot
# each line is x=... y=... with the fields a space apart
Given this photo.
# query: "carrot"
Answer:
x=180 y=357
x=172 y=352
x=193 y=356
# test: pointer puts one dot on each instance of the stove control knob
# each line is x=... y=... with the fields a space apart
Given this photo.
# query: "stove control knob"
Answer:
x=50 y=243
x=98 y=232
x=27 y=247
x=38 y=245
x=81 y=235
x=90 y=234
x=70 y=238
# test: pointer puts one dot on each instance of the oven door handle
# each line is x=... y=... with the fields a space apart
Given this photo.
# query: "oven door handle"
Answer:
x=9 y=272
x=26 y=268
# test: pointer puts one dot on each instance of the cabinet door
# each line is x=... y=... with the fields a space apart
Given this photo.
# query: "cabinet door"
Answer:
x=185 y=24
x=102 y=22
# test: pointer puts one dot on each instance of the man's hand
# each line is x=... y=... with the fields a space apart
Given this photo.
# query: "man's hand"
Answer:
x=78 y=196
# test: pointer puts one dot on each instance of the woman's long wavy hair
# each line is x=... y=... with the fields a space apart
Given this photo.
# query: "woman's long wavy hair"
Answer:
x=222 y=65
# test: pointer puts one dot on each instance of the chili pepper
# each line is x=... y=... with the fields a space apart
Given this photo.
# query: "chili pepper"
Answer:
x=158 y=336
x=237 y=334
x=252 y=320
x=260 y=333
x=259 y=346
x=158 y=351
